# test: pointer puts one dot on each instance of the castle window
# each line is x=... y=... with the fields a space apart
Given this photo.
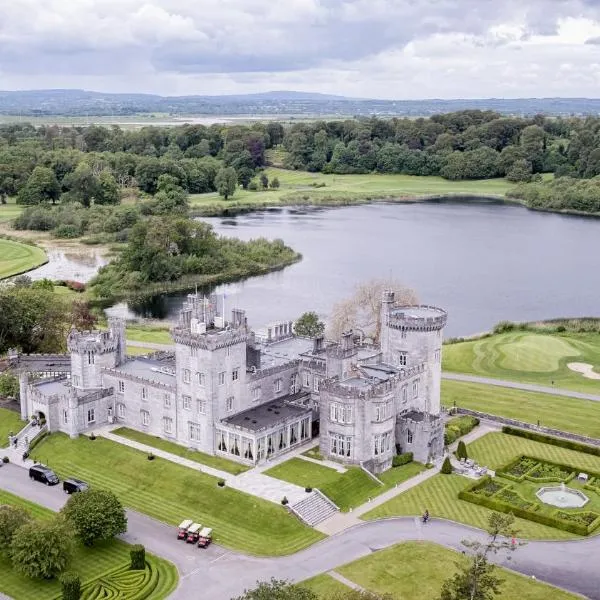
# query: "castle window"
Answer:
x=200 y=378
x=415 y=388
x=193 y=351
x=229 y=404
x=409 y=437
x=186 y=376
x=402 y=359
x=404 y=393
x=167 y=399
x=144 y=393
x=221 y=377
x=90 y=357
x=306 y=379
x=277 y=385
x=201 y=406
x=187 y=402
x=437 y=356
x=340 y=445
x=65 y=417
x=304 y=429
x=145 y=417
x=235 y=375
x=316 y=383
x=121 y=411
x=76 y=380
x=228 y=351
x=256 y=393
x=403 y=334
x=194 y=432
x=348 y=416
x=378 y=411
x=168 y=424
x=121 y=386
x=91 y=416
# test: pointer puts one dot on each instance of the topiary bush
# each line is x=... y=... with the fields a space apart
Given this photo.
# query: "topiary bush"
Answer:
x=5 y=459
x=402 y=459
x=461 y=450
x=458 y=427
x=138 y=557
x=71 y=586
x=447 y=466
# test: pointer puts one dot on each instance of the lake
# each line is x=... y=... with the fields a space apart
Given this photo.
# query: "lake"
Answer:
x=481 y=261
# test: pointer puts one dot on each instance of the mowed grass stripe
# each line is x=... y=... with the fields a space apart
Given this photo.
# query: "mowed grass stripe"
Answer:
x=558 y=412
x=18 y=258
x=171 y=493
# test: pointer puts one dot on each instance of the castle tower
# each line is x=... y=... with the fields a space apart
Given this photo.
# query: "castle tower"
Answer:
x=413 y=336
x=210 y=357
x=91 y=351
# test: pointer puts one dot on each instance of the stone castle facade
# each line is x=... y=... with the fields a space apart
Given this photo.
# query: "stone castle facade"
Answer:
x=227 y=391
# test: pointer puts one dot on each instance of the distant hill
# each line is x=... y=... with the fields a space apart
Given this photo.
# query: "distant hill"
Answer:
x=284 y=103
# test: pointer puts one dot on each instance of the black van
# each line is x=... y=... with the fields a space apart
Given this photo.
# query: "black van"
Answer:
x=74 y=485
x=43 y=474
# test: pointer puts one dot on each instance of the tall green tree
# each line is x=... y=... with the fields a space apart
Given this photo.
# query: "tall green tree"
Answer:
x=226 y=182
x=42 y=549
x=95 y=515
x=11 y=519
x=278 y=590
x=476 y=579
x=309 y=325
x=42 y=186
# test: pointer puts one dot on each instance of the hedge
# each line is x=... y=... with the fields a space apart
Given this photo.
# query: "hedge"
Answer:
x=494 y=504
x=138 y=557
x=71 y=586
x=458 y=427
x=553 y=441
x=402 y=459
x=573 y=471
x=36 y=440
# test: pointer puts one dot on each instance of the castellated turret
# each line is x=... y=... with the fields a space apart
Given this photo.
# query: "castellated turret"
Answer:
x=412 y=336
x=91 y=351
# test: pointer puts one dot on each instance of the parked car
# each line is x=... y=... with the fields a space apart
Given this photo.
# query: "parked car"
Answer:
x=74 y=485
x=205 y=538
x=193 y=533
x=183 y=529
x=43 y=474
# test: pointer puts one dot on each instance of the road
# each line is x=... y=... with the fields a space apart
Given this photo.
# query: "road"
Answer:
x=222 y=574
x=517 y=385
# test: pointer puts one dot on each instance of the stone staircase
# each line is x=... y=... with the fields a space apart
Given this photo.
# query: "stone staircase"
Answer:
x=314 y=508
x=24 y=438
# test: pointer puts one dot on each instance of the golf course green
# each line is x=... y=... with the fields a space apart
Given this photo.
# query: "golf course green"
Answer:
x=18 y=258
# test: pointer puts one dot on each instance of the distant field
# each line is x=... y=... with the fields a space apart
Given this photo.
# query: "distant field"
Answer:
x=299 y=187
x=18 y=258
x=9 y=211
x=529 y=357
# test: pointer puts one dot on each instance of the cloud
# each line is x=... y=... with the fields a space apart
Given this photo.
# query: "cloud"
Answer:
x=337 y=46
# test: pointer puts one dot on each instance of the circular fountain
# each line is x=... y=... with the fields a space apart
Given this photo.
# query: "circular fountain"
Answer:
x=562 y=497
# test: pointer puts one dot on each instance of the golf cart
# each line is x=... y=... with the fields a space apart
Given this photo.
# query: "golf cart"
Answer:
x=183 y=529
x=205 y=537
x=193 y=533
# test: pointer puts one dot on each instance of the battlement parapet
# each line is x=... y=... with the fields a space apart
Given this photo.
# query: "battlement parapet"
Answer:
x=210 y=340
x=92 y=341
x=417 y=318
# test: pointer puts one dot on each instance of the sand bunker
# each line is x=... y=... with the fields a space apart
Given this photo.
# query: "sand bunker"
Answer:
x=585 y=369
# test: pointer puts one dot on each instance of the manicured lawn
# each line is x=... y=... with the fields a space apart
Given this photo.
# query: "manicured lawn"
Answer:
x=10 y=420
x=10 y=211
x=200 y=457
x=530 y=357
x=566 y=414
x=172 y=493
x=439 y=495
x=97 y=563
x=138 y=351
x=18 y=258
x=347 y=490
x=298 y=186
x=496 y=449
x=325 y=586
x=313 y=453
x=147 y=333
x=417 y=570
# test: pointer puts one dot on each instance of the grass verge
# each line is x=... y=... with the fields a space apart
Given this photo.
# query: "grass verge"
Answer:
x=566 y=414
x=10 y=420
x=216 y=462
x=347 y=490
x=172 y=493
x=539 y=358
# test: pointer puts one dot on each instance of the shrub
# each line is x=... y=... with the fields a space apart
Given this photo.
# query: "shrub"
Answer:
x=402 y=459
x=308 y=490
x=284 y=500
x=458 y=427
x=92 y=436
x=138 y=557
x=447 y=466
x=75 y=286
x=71 y=586
x=461 y=450
x=11 y=519
x=221 y=483
x=554 y=441
x=5 y=459
x=35 y=441
x=151 y=456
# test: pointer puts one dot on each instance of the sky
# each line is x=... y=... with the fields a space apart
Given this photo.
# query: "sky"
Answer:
x=392 y=49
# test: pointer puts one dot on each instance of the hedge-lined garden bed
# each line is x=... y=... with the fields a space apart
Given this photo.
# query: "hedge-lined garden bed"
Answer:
x=459 y=426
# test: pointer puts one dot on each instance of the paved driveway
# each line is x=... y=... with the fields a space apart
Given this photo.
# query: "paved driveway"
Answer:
x=220 y=574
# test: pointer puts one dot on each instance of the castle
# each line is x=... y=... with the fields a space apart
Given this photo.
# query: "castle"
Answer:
x=230 y=392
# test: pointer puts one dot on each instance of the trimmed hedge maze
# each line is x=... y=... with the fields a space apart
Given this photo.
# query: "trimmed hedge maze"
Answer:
x=155 y=582
x=513 y=490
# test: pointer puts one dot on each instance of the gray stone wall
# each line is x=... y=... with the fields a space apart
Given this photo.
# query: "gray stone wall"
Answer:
x=425 y=439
